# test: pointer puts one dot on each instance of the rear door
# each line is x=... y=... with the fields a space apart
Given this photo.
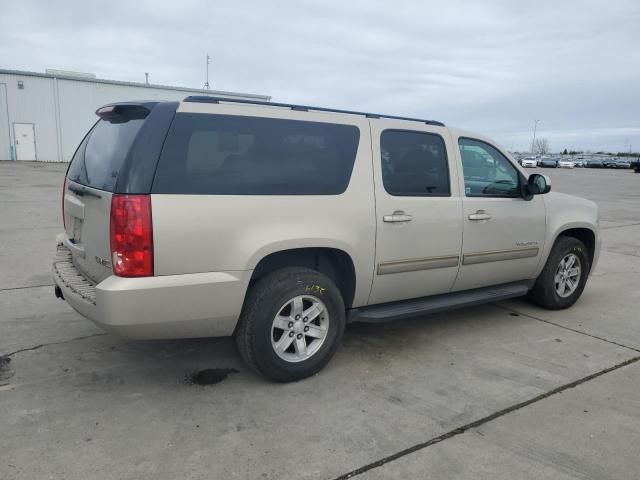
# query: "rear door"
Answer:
x=418 y=211
x=90 y=183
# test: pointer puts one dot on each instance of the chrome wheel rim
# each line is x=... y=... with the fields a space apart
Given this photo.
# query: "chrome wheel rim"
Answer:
x=299 y=328
x=567 y=275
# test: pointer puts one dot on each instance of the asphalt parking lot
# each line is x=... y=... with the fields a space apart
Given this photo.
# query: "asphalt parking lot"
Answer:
x=499 y=391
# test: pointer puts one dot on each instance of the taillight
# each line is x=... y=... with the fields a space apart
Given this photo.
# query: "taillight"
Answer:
x=131 y=236
x=64 y=192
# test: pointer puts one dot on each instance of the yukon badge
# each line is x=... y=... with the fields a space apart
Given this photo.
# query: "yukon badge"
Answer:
x=527 y=244
x=103 y=262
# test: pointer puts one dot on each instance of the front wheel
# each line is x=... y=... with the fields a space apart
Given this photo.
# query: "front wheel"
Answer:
x=291 y=324
x=564 y=275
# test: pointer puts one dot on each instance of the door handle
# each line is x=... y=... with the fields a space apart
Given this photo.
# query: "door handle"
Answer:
x=396 y=217
x=480 y=215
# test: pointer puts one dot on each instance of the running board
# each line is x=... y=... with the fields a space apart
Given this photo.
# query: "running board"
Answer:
x=436 y=303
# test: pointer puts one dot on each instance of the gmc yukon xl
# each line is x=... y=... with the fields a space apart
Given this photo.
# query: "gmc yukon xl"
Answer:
x=278 y=224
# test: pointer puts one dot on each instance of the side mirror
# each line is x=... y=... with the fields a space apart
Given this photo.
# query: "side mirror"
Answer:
x=538 y=184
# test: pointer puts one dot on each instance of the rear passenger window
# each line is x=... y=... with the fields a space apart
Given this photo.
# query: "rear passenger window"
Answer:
x=414 y=164
x=236 y=155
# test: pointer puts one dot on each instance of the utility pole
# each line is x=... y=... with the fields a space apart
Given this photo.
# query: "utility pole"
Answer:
x=206 y=84
x=533 y=142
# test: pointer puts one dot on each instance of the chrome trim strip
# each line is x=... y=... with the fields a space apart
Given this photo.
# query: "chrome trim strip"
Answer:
x=499 y=255
x=416 y=264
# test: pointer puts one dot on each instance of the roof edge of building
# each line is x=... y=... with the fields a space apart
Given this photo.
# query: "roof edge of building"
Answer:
x=251 y=96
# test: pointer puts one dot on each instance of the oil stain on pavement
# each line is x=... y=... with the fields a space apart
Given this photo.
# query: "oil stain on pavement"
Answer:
x=5 y=370
x=210 y=376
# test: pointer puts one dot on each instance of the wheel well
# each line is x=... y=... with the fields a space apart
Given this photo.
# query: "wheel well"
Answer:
x=586 y=236
x=332 y=262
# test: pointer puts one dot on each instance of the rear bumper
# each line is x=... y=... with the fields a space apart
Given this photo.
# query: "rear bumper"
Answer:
x=172 y=306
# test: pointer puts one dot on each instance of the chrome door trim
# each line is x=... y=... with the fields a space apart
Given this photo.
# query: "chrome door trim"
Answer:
x=416 y=264
x=499 y=255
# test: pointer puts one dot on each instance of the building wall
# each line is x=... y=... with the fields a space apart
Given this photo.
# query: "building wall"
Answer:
x=5 y=139
x=61 y=120
x=33 y=104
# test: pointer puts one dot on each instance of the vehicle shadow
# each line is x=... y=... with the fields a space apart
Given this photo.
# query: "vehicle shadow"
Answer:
x=208 y=361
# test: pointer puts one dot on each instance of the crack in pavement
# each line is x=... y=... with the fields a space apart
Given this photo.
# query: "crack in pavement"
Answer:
x=518 y=406
x=619 y=226
x=476 y=423
x=612 y=342
x=623 y=253
x=36 y=347
x=25 y=287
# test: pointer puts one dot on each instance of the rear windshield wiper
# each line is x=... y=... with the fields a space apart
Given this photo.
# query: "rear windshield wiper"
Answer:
x=82 y=191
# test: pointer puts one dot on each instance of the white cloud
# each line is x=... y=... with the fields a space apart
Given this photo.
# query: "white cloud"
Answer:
x=491 y=66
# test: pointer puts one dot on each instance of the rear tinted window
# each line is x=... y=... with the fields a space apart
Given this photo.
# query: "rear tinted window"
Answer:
x=235 y=155
x=99 y=158
x=414 y=164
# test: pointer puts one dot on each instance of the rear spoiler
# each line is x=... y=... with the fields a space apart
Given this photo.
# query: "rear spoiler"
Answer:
x=123 y=112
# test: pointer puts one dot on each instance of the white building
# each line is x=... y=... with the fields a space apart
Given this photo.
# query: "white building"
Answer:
x=44 y=116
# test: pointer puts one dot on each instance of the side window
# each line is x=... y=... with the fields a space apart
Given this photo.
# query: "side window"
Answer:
x=487 y=173
x=237 y=155
x=414 y=164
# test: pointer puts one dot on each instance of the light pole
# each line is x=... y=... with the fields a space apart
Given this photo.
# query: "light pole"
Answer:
x=206 y=84
x=533 y=142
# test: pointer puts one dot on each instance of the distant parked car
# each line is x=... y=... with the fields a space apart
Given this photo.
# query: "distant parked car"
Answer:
x=610 y=163
x=594 y=163
x=579 y=163
x=548 y=163
x=616 y=163
x=566 y=164
x=529 y=162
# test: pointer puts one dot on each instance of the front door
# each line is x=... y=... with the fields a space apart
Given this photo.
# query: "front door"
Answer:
x=503 y=233
x=418 y=210
x=25 y=141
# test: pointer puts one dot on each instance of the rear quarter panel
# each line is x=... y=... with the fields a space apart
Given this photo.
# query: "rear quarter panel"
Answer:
x=212 y=233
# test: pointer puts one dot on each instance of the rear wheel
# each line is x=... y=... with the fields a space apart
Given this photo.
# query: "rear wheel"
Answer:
x=564 y=276
x=291 y=324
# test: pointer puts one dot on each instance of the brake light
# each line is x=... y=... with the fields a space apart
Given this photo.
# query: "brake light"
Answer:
x=131 y=236
x=64 y=192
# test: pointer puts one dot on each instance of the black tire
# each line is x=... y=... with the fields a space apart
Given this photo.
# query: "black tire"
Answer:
x=544 y=292
x=254 y=332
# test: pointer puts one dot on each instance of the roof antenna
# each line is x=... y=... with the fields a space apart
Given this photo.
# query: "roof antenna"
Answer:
x=146 y=78
x=206 y=84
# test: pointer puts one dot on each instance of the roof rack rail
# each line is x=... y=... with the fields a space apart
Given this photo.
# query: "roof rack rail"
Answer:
x=303 y=108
